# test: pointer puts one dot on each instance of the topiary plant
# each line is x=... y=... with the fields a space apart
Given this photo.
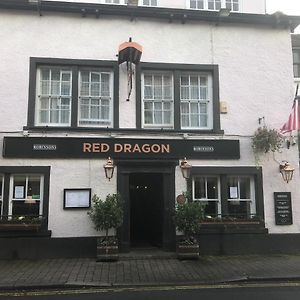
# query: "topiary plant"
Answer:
x=188 y=217
x=106 y=214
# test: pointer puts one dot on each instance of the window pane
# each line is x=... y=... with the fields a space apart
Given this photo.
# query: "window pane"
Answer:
x=212 y=188
x=239 y=209
x=34 y=187
x=148 y=117
x=19 y=187
x=157 y=117
x=185 y=121
x=167 y=117
x=148 y=92
x=105 y=85
x=245 y=188
x=157 y=87
x=1 y=186
x=184 y=93
x=200 y=189
x=232 y=188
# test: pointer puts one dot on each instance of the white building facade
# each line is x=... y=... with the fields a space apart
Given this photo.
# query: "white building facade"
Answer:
x=203 y=83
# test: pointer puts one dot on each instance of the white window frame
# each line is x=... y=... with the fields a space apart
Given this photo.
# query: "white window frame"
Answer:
x=208 y=101
x=158 y=126
x=223 y=5
x=38 y=97
x=111 y=100
x=111 y=2
x=205 y=200
x=11 y=191
x=231 y=10
x=252 y=199
x=141 y=3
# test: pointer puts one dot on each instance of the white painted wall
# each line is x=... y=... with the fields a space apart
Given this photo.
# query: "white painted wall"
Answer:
x=256 y=80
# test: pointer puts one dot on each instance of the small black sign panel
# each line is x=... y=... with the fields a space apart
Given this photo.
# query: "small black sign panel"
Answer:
x=283 y=208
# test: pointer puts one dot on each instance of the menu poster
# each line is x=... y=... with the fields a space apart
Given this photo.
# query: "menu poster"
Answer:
x=77 y=198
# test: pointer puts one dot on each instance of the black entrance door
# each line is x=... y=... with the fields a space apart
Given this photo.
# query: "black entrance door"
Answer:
x=146 y=209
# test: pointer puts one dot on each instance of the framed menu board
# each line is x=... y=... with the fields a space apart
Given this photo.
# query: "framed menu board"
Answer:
x=283 y=208
x=77 y=198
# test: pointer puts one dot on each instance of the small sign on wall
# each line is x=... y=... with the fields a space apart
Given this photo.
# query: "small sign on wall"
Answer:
x=283 y=208
x=77 y=198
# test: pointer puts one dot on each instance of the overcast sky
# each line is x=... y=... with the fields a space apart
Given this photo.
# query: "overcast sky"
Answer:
x=289 y=7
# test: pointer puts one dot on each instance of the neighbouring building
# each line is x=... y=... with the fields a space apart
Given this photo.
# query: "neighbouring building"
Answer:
x=211 y=72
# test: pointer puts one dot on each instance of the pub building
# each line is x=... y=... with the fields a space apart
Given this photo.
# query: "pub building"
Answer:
x=100 y=98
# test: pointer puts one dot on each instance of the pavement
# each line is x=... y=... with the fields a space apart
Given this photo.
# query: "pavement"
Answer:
x=146 y=270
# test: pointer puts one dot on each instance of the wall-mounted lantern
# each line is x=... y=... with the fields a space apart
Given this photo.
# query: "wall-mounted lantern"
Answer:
x=109 y=169
x=185 y=169
x=286 y=171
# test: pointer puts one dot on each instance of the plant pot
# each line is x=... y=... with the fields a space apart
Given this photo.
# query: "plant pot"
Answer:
x=185 y=251
x=20 y=227
x=107 y=252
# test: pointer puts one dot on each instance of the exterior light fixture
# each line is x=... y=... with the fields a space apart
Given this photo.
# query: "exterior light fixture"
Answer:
x=286 y=171
x=109 y=169
x=185 y=169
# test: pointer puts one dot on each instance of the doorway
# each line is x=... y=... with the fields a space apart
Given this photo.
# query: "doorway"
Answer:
x=146 y=209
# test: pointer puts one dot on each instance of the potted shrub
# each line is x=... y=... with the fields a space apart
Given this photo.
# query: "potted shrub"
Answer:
x=188 y=217
x=107 y=215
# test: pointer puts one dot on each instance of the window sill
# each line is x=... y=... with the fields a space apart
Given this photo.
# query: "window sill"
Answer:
x=121 y=130
x=240 y=226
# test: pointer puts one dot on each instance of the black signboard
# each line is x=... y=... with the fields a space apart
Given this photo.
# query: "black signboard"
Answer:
x=118 y=148
x=283 y=208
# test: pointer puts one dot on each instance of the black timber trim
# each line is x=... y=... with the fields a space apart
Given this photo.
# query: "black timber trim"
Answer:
x=44 y=170
x=176 y=69
x=182 y=15
x=74 y=64
x=223 y=172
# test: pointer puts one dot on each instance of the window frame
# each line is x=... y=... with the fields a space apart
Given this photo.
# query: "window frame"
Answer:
x=75 y=65
x=207 y=200
x=12 y=199
x=296 y=49
x=205 y=6
x=153 y=126
x=44 y=171
x=177 y=70
x=141 y=3
x=224 y=173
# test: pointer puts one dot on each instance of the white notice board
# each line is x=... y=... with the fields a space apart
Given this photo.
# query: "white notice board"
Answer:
x=77 y=198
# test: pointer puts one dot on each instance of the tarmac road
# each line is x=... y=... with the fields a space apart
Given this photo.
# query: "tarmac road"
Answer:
x=276 y=291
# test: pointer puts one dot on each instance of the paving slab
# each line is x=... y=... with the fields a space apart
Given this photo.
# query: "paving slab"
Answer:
x=146 y=271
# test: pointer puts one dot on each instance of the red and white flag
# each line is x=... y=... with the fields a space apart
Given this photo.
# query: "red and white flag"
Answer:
x=293 y=122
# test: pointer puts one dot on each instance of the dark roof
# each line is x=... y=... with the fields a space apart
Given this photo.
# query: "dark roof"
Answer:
x=277 y=20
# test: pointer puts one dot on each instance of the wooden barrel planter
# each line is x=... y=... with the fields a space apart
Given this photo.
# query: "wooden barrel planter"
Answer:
x=107 y=252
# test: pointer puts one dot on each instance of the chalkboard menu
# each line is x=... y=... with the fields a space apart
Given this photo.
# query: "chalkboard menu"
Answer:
x=283 y=208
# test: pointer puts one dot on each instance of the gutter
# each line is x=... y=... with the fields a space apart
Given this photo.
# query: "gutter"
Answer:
x=276 y=20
